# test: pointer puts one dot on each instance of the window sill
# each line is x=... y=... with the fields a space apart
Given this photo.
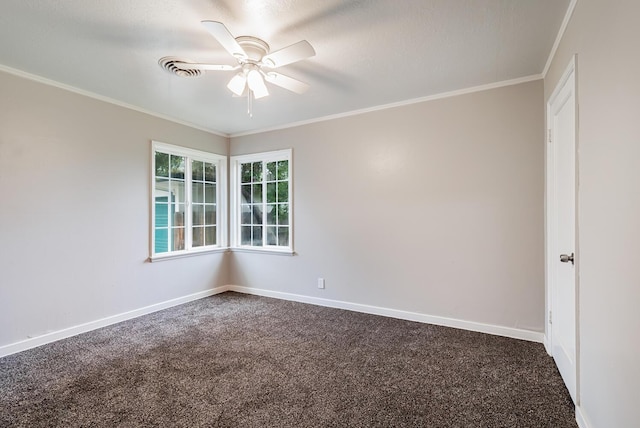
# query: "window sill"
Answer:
x=286 y=252
x=182 y=254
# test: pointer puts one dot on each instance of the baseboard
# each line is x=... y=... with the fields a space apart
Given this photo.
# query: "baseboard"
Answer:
x=547 y=345
x=34 y=342
x=23 y=345
x=515 y=333
x=581 y=419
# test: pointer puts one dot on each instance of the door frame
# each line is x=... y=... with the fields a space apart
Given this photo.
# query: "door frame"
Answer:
x=551 y=250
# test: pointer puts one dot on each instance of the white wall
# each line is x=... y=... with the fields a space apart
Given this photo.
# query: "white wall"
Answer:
x=434 y=208
x=605 y=35
x=74 y=217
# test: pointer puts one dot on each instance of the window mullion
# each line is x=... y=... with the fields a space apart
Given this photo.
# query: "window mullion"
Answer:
x=188 y=211
x=289 y=202
x=264 y=203
x=235 y=203
x=217 y=204
x=154 y=192
x=170 y=209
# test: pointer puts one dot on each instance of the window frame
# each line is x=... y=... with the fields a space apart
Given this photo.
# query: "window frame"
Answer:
x=235 y=201
x=220 y=162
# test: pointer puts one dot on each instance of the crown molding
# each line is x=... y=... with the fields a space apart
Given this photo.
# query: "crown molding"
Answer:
x=396 y=104
x=563 y=28
x=56 y=84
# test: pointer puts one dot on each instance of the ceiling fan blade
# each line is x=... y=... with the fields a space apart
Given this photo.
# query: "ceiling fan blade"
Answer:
x=225 y=38
x=286 y=82
x=295 y=52
x=207 y=67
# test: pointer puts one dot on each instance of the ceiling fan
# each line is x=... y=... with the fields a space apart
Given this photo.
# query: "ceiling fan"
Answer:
x=255 y=63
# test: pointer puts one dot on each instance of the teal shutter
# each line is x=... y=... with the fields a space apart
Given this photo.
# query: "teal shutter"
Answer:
x=161 y=225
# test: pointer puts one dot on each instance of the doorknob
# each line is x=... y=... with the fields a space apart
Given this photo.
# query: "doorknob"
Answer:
x=565 y=258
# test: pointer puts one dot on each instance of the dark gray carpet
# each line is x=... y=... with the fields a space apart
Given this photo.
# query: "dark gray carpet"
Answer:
x=234 y=360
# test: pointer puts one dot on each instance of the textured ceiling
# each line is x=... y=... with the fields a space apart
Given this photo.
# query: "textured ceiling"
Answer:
x=368 y=52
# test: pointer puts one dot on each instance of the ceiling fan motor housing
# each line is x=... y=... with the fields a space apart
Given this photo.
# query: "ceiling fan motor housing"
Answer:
x=254 y=47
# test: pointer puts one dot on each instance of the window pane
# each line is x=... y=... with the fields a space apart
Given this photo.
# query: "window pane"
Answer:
x=210 y=193
x=197 y=192
x=246 y=214
x=210 y=235
x=245 y=196
x=257 y=214
x=257 y=193
x=197 y=170
x=161 y=243
x=271 y=192
x=245 y=172
x=177 y=215
x=283 y=214
x=162 y=214
x=257 y=236
x=283 y=191
x=270 y=172
x=178 y=238
x=283 y=236
x=162 y=187
x=210 y=215
x=245 y=235
x=198 y=215
x=283 y=170
x=162 y=164
x=257 y=171
x=177 y=191
x=272 y=236
x=177 y=166
x=271 y=214
x=197 y=237
x=209 y=172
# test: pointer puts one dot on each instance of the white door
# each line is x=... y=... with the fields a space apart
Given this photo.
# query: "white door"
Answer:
x=561 y=221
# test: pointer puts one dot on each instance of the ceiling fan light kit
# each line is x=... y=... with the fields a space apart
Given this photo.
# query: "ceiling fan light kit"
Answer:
x=237 y=84
x=253 y=56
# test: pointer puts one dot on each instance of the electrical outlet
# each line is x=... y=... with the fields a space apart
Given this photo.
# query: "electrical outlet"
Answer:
x=320 y=282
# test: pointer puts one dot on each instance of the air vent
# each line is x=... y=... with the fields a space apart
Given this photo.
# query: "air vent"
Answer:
x=171 y=64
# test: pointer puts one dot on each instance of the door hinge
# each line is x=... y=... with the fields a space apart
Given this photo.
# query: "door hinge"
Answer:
x=550 y=318
x=549 y=134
